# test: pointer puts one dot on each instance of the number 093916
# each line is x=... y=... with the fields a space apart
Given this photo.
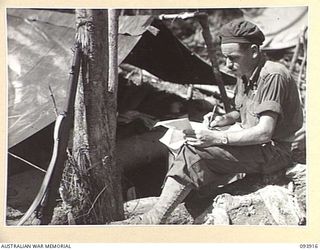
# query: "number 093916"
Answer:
x=308 y=246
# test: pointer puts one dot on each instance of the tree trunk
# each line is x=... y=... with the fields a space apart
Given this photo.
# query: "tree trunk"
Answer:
x=101 y=122
x=99 y=181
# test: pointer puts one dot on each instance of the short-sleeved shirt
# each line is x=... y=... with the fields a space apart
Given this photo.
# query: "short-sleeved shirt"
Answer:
x=270 y=88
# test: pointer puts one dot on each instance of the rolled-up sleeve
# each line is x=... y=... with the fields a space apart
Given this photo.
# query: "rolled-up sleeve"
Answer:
x=272 y=94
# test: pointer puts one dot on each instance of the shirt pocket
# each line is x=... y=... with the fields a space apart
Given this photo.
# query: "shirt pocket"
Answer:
x=238 y=102
x=252 y=116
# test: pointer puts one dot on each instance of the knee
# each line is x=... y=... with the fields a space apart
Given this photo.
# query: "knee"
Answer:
x=188 y=153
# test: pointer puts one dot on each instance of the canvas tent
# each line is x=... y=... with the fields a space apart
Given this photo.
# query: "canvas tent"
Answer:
x=282 y=26
x=39 y=58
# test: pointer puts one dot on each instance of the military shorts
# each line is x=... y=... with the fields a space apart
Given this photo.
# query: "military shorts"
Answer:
x=202 y=166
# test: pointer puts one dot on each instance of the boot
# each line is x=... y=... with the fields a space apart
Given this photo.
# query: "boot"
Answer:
x=172 y=195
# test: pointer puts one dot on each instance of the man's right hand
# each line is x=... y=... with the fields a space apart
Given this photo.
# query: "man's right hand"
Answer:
x=217 y=121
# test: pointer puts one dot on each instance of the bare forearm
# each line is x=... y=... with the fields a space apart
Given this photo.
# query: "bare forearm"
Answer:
x=258 y=134
x=250 y=136
x=243 y=137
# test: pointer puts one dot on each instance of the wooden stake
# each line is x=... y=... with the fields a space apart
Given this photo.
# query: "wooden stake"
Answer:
x=113 y=50
x=203 y=20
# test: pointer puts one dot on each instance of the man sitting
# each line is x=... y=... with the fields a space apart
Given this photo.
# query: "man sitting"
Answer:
x=268 y=106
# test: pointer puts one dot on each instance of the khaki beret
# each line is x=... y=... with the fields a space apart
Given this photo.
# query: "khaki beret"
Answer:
x=241 y=31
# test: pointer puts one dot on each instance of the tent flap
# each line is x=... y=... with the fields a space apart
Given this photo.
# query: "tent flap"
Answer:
x=281 y=26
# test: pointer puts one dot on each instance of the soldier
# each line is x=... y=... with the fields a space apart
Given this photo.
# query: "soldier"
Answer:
x=267 y=105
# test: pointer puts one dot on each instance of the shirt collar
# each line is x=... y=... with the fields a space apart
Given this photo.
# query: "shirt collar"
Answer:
x=256 y=72
x=251 y=83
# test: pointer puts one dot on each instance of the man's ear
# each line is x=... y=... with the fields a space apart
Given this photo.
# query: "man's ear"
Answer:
x=254 y=50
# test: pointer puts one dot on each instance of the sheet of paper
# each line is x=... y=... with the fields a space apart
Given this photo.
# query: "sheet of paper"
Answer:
x=174 y=138
x=198 y=126
x=179 y=124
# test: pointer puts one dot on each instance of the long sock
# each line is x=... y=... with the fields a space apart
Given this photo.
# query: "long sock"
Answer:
x=172 y=195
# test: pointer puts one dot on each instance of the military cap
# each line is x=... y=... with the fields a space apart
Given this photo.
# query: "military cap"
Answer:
x=241 y=31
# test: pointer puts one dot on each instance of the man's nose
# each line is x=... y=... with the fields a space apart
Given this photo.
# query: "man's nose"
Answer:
x=229 y=64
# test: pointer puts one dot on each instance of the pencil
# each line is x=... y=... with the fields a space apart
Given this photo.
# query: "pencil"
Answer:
x=213 y=111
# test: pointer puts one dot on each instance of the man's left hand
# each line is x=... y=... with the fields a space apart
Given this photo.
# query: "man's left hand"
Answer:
x=202 y=138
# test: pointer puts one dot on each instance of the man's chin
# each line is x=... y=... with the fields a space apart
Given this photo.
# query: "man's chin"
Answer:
x=235 y=74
